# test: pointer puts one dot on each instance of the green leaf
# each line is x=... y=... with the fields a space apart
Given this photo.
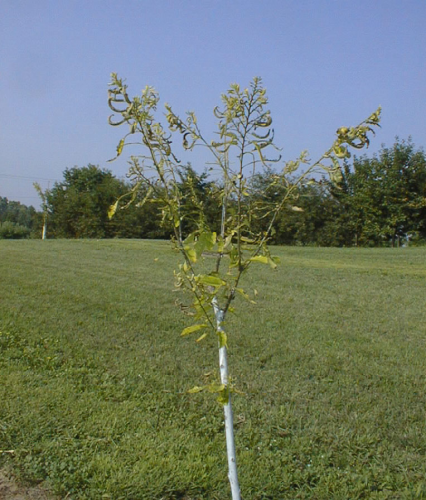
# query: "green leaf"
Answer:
x=272 y=263
x=234 y=257
x=224 y=245
x=265 y=259
x=206 y=241
x=192 y=329
x=207 y=279
x=258 y=148
x=189 y=240
x=120 y=147
x=203 y=336
x=146 y=197
x=192 y=254
x=214 y=388
x=196 y=389
x=223 y=397
x=247 y=240
x=341 y=151
x=260 y=258
x=245 y=295
x=223 y=338
x=336 y=175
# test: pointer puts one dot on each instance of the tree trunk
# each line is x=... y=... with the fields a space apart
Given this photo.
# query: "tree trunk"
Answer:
x=227 y=408
x=43 y=234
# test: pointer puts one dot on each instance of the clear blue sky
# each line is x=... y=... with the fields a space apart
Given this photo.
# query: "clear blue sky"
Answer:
x=325 y=63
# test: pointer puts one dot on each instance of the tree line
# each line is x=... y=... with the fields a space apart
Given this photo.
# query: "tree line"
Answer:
x=379 y=201
x=17 y=221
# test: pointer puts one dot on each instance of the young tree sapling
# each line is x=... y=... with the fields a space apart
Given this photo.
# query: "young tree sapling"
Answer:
x=244 y=138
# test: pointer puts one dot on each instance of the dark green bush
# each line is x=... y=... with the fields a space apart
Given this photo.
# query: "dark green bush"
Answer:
x=12 y=231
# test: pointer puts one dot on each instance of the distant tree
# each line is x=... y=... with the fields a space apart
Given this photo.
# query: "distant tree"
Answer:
x=43 y=196
x=18 y=214
x=12 y=231
x=4 y=203
x=382 y=199
x=78 y=205
x=139 y=217
x=307 y=225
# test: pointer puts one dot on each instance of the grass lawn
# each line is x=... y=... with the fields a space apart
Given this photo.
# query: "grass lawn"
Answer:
x=94 y=376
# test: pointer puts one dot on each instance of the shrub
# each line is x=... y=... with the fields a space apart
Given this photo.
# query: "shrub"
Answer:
x=12 y=231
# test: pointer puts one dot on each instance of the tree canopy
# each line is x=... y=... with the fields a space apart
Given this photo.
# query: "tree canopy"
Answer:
x=382 y=199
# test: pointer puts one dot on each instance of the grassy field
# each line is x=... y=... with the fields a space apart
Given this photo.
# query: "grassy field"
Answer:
x=94 y=375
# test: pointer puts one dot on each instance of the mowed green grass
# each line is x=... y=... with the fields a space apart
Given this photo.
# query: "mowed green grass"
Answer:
x=94 y=376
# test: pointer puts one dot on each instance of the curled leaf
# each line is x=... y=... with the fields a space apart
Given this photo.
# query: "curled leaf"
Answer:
x=335 y=175
x=341 y=151
x=273 y=262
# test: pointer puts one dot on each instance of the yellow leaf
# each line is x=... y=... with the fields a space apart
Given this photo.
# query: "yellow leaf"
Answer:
x=112 y=209
x=272 y=263
x=203 y=336
x=223 y=339
x=209 y=280
x=192 y=329
x=260 y=258
x=196 y=389
x=245 y=295
x=192 y=254
x=120 y=147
